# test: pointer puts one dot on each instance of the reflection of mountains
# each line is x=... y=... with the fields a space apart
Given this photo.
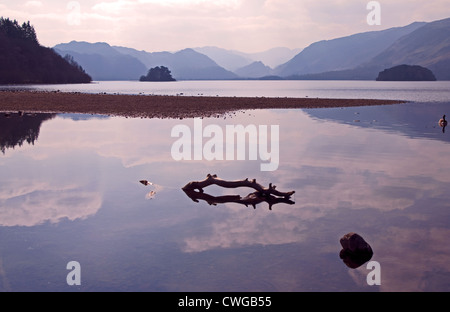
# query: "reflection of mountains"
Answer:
x=79 y=117
x=17 y=128
x=415 y=120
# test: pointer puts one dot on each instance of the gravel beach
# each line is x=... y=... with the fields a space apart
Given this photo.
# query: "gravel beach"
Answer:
x=158 y=106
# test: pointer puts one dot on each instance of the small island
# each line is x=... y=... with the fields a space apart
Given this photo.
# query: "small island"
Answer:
x=159 y=73
x=406 y=73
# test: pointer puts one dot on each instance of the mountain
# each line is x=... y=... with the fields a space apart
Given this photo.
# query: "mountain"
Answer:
x=23 y=60
x=228 y=59
x=360 y=56
x=102 y=61
x=186 y=64
x=343 y=53
x=233 y=60
x=275 y=56
x=105 y=62
x=254 y=70
x=427 y=46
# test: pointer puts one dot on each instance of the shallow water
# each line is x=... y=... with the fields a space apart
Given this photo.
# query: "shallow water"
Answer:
x=70 y=191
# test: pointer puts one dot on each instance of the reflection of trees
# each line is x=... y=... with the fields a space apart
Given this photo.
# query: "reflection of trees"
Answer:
x=17 y=128
x=269 y=195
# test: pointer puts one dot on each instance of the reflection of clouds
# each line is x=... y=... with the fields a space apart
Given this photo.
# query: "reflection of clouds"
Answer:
x=330 y=167
x=241 y=227
x=408 y=255
x=27 y=203
x=135 y=142
x=333 y=168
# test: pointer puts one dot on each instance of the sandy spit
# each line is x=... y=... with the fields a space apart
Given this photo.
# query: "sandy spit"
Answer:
x=157 y=106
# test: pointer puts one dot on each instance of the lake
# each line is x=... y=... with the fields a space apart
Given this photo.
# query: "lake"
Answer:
x=70 y=190
x=410 y=91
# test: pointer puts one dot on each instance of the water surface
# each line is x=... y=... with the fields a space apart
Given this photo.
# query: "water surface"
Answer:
x=70 y=191
x=408 y=91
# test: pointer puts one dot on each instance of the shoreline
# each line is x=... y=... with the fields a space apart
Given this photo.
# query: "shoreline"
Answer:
x=161 y=106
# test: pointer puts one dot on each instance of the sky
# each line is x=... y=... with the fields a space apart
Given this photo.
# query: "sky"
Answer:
x=244 y=25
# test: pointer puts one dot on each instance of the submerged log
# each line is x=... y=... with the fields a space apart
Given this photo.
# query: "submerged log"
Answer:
x=194 y=190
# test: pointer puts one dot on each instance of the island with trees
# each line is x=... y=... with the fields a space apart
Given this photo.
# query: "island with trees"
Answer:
x=159 y=73
x=406 y=73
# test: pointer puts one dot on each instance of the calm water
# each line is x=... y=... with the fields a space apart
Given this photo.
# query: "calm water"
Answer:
x=70 y=191
x=410 y=91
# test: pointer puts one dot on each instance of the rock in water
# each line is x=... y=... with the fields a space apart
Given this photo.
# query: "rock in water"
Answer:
x=355 y=250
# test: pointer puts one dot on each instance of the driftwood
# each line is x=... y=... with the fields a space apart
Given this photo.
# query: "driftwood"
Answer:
x=269 y=195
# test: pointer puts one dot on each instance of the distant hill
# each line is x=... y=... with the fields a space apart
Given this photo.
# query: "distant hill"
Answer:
x=102 y=61
x=343 y=53
x=254 y=70
x=24 y=61
x=233 y=60
x=274 y=57
x=186 y=64
x=428 y=46
x=360 y=56
x=228 y=59
x=105 y=62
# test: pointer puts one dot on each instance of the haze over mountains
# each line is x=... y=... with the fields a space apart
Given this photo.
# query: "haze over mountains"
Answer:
x=359 y=56
x=233 y=60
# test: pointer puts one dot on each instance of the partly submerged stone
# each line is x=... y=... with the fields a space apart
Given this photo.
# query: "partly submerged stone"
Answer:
x=355 y=250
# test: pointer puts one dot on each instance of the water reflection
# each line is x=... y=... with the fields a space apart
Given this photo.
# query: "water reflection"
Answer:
x=18 y=127
x=355 y=250
x=268 y=195
x=74 y=195
x=415 y=120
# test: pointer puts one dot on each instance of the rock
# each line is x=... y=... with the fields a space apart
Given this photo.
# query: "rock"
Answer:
x=355 y=250
x=406 y=73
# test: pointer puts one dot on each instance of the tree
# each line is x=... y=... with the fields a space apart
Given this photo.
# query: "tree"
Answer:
x=23 y=60
x=13 y=30
x=159 y=73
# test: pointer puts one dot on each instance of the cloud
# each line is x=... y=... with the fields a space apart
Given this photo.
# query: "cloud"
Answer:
x=251 y=25
x=33 y=4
